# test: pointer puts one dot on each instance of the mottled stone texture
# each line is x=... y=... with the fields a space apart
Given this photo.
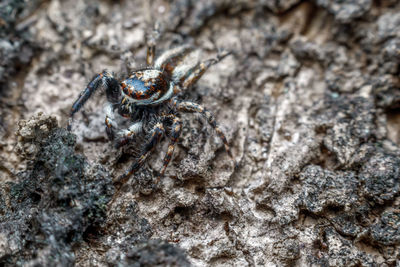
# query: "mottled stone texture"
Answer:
x=16 y=46
x=56 y=202
x=309 y=100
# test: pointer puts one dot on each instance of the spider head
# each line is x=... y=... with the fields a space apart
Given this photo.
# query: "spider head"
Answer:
x=146 y=87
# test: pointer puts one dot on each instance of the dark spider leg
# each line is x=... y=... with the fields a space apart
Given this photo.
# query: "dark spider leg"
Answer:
x=175 y=133
x=151 y=45
x=105 y=79
x=127 y=135
x=186 y=106
x=155 y=138
x=194 y=74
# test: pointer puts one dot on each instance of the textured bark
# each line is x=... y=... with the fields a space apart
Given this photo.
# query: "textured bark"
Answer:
x=309 y=100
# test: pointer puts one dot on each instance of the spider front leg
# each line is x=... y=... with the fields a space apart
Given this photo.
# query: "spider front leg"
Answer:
x=186 y=106
x=175 y=133
x=157 y=133
x=194 y=74
x=151 y=44
x=105 y=79
x=171 y=58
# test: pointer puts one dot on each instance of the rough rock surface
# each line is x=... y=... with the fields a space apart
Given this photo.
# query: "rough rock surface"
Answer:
x=309 y=100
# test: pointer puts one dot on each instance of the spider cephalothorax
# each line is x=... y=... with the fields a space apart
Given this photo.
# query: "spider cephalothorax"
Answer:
x=149 y=99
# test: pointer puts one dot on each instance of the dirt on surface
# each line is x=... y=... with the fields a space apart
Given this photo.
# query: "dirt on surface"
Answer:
x=309 y=100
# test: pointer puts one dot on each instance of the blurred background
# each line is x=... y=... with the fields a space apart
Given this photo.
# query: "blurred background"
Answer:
x=309 y=100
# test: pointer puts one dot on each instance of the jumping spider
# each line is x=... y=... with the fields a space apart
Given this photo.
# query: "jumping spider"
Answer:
x=149 y=99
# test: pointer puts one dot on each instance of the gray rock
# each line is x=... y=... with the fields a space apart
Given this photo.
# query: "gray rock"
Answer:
x=387 y=230
x=388 y=25
x=381 y=177
x=323 y=189
x=155 y=253
x=346 y=11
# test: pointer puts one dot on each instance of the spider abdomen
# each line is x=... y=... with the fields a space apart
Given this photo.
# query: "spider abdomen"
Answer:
x=145 y=87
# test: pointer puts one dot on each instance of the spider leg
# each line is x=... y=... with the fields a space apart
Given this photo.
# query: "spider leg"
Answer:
x=109 y=121
x=171 y=58
x=175 y=133
x=151 y=45
x=105 y=79
x=157 y=133
x=127 y=135
x=186 y=106
x=194 y=74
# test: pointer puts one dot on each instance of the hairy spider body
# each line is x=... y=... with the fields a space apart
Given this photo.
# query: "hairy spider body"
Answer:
x=148 y=97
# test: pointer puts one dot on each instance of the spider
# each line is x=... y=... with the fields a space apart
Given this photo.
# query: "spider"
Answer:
x=149 y=99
